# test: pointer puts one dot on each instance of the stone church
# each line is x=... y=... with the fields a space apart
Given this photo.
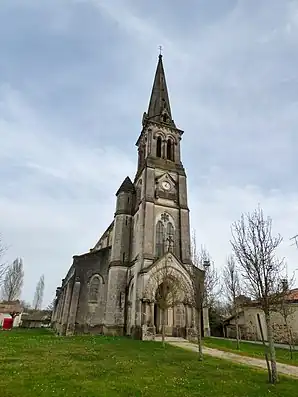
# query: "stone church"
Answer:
x=113 y=288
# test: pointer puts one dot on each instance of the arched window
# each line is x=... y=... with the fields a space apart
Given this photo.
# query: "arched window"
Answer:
x=159 y=239
x=170 y=237
x=94 y=289
x=164 y=118
x=170 y=150
x=158 y=147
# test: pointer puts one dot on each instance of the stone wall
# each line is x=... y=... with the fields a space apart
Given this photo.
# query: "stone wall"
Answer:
x=90 y=315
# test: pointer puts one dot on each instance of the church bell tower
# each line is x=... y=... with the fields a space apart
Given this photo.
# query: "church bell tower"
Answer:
x=161 y=219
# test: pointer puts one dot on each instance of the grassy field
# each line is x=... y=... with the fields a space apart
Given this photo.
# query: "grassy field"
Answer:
x=251 y=349
x=40 y=364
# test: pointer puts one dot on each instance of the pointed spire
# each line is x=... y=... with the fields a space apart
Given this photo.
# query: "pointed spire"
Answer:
x=159 y=109
x=126 y=186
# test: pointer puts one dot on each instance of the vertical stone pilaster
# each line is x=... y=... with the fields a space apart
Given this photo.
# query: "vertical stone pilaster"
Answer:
x=185 y=235
x=114 y=315
x=153 y=147
x=60 y=306
x=73 y=308
x=66 y=308
x=138 y=312
x=54 y=314
x=177 y=152
x=149 y=230
x=174 y=317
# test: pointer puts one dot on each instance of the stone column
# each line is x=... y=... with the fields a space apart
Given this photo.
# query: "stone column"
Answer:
x=152 y=313
x=128 y=320
x=73 y=307
x=164 y=149
x=185 y=316
x=138 y=312
x=143 y=312
x=66 y=308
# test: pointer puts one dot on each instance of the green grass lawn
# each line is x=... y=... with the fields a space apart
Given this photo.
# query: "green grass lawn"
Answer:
x=250 y=349
x=37 y=363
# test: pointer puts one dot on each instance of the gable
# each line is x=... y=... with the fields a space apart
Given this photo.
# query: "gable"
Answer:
x=167 y=267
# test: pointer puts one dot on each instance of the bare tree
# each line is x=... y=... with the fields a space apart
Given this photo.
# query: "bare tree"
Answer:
x=3 y=266
x=211 y=280
x=255 y=247
x=13 y=281
x=232 y=289
x=38 y=296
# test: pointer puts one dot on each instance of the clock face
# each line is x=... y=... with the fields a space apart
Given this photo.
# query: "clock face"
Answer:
x=166 y=185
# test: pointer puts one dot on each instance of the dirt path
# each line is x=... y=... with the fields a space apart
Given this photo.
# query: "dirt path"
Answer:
x=284 y=369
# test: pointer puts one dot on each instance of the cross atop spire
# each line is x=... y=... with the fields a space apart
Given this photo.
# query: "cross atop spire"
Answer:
x=159 y=109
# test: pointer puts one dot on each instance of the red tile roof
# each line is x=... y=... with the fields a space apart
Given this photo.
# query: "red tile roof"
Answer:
x=293 y=295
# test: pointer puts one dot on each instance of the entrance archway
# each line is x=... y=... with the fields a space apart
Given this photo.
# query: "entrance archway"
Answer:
x=164 y=309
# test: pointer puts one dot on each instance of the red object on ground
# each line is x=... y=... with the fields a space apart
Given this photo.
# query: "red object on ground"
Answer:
x=7 y=323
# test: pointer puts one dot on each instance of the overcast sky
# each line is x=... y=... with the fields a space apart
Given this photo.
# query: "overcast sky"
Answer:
x=75 y=79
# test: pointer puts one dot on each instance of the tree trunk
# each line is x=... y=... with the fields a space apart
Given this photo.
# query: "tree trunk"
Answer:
x=237 y=330
x=271 y=348
x=290 y=339
x=265 y=348
x=199 y=329
x=163 y=328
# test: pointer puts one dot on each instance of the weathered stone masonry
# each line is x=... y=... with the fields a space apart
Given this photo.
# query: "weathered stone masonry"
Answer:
x=111 y=288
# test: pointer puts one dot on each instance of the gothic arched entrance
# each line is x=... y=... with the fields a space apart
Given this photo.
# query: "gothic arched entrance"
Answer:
x=167 y=298
x=164 y=309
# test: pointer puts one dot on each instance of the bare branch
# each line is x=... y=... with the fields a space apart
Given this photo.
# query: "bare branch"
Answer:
x=38 y=296
x=231 y=281
x=200 y=258
x=3 y=266
x=255 y=250
x=255 y=247
x=233 y=290
x=13 y=281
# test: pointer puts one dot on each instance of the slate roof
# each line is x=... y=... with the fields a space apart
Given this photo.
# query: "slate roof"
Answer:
x=126 y=186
